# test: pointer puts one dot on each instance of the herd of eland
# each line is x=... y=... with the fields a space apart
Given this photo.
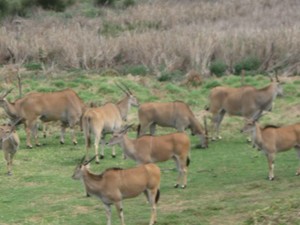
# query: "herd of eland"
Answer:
x=115 y=184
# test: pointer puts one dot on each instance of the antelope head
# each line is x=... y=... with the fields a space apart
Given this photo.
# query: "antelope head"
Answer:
x=78 y=172
x=132 y=99
x=278 y=85
x=118 y=135
x=2 y=97
x=249 y=125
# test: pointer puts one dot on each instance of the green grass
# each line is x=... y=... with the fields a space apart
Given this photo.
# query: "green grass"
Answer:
x=226 y=183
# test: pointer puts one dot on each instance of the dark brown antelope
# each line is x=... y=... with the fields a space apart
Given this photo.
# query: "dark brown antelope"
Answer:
x=246 y=101
x=9 y=143
x=175 y=114
x=272 y=139
x=151 y=149
x=64 y=106
x=106 y=119
x=115 y=184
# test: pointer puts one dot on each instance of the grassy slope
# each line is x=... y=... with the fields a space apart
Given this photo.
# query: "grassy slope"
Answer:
x=226 y=183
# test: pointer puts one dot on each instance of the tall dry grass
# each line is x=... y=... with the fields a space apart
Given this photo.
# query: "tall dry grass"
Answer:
x=161 y=34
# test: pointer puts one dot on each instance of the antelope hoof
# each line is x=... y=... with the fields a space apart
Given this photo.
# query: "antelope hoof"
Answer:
x=97 y=162
x=88 y=195
x=101 y=157
x=271 y=178
x=202 y=146
x=38 y=145
x=74 y=142
x=176 y=186
x=62 y=142
x=9 y=173
x=298 y=173
x=183 y=186
x=114 y=156
x=45 y=136
x=29 y=146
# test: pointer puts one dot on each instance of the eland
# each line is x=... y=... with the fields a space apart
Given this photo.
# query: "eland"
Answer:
x=152 y=149
x=175 y=114
x=245 y=101
x=116 y=184
x=105 y=119
x=10 y=143
x=272 y=139
x=64 y=106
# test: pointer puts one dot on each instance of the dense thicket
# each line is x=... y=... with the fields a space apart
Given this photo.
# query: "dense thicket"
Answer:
x=159 y=36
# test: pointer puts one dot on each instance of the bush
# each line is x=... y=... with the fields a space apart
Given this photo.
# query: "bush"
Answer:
x=59 y=83
x=128 y=3
x=136 y=70
x=104 y=2
x=33 y=66
x=168 y=76
x=250 y=63
x=56 y=5
x=211 y=84
x=218 y=68
x=3 y=8
x=115 y=3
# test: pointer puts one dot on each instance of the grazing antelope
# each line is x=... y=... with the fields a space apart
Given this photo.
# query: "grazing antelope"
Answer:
x=175 y=114
x=272 y=139
x=9 y=143
x=116 y=184
x=151 y=149
x=64 y=106
x=246 y=101
x=106 y=119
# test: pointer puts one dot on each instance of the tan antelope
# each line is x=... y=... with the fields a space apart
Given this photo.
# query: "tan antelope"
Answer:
x=272 y=139
x=64 y=106
x=245 y=101
x=106 y=119
x=175 y=114
x=116 y=184
x=9 y=143
x=151 y=149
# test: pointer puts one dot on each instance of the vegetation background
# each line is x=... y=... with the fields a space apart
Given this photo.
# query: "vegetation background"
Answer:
x=157 y=36
x=163 y=50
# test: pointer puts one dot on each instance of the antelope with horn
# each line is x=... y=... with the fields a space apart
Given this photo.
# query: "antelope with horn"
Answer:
x=106 y=119
x=272 y=140
x=175 y=114
x=64 y=106
x=151 y=149
x=116 y=184
x=245 y=101
x=10 y=143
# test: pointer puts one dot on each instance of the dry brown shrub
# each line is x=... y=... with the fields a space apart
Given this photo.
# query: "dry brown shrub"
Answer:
x=175 y=34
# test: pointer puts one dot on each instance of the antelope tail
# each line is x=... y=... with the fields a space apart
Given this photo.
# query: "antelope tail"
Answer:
x=86 y=125
x=157 y=196
x=188 y=161
x=138 y=130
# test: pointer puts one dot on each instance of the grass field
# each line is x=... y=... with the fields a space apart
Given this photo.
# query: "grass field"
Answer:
x=227 y=183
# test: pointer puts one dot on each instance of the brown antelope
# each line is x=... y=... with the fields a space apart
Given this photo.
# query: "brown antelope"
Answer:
x=246 y=101
x=9 y=143
x=64 y=106
x=116 y=184
x=272 y=139
x=151 y=149
x=175 y=114
x=106 y=119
